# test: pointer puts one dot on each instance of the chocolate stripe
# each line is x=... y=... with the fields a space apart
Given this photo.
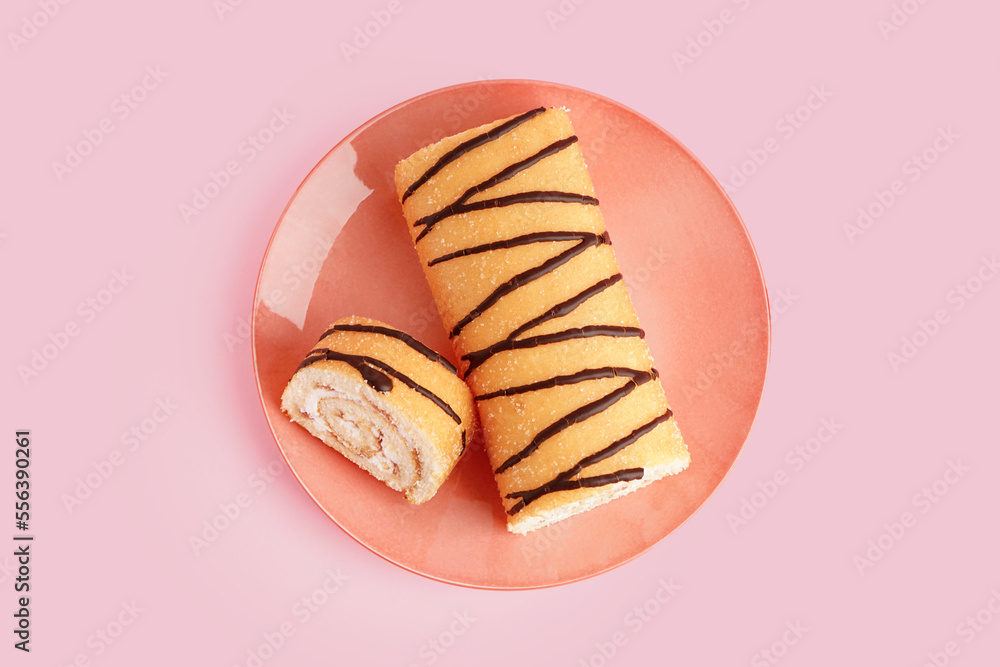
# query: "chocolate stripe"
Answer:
x=468 y=145
x=529 y=496
x=477 y=358
x=398 y=335
x=575 y=417
x=587 y=482
x=526 y=239
x=376 y=379
x=536 y=196
x=526 y=277
x=567 y=306
x=560 y=380
x=517 y=168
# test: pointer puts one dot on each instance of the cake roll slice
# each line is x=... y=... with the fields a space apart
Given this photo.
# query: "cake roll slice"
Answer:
x=385 y=401
x=510 y=235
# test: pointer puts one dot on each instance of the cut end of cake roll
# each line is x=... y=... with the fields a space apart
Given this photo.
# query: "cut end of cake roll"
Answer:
x=508 y=229
x=386 y=402
x=662 y=456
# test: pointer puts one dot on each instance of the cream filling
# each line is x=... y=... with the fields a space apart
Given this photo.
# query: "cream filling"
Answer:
x=367 y=431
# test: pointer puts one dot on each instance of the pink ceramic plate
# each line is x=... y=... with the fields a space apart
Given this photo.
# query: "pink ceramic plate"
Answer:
x=341 y=248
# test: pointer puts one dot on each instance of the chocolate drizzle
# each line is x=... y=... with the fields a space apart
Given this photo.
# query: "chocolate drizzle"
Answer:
x=533 y=197
x=525 y=277
x=563 y=481
x=398 y=335
x=375 y=372
x=582 y=482
x=518 y=167
x=560 y=380
x=468 y=145
x=526 y=239
x=459 y=205
x=477 y=358
x=575 y=417
x=378 y=380
x=567 y=306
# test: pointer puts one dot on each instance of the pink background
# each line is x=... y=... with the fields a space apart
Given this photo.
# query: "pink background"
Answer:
x=175 y=330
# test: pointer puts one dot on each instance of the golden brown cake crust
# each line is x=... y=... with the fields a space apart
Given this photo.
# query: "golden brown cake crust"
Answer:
x=507 y=227
x=386 y=402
